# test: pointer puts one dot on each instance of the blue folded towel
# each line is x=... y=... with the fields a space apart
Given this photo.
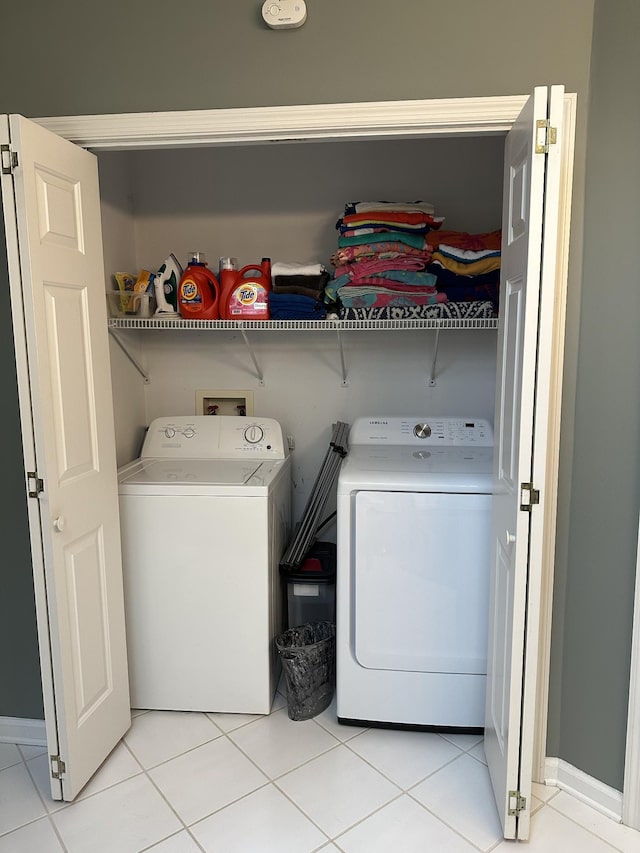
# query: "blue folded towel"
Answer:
x=294 y=306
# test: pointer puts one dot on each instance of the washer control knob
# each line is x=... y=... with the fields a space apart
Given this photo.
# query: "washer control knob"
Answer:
x=253 y=434
x=169 y=432
x=422 y=430
x=189 y=433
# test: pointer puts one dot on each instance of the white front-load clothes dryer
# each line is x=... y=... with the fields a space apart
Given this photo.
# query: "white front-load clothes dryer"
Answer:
x=412 y=584
x=205 y=518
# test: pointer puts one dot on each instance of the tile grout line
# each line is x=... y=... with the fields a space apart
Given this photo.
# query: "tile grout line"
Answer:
x=184 y=752
x=302 y=812
x=355 y=734
x=162 y=796
x=366 y=817
x=271 y=783
x=168 y=838
x=20 y=760
x=268 y=779
x=273 y=780
x=413 y=784
x=291 y=769
x=274 y=783
x=401 y=791
x=239 y=799
x=47 y=814
x=581 y=825
x=452 y=828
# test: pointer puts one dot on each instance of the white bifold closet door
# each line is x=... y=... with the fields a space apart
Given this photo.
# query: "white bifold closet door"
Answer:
x=529 y=249
x=52 y=207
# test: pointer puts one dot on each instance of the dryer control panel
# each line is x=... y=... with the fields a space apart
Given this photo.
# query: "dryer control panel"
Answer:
x=214 y=437
x=422 y=430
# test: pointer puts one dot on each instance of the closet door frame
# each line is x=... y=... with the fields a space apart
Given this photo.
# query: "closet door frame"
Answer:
x=414 y=119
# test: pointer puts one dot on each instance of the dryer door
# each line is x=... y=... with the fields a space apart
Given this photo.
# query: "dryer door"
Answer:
x=421 y=569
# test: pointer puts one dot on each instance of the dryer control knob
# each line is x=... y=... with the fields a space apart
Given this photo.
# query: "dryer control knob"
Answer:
x=253 y=434
x=422 y=430
x=189 y=433
x=169 y=432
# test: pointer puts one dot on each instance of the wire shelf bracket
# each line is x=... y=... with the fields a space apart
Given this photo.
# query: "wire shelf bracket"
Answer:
x=132 y=359
x=252 y=354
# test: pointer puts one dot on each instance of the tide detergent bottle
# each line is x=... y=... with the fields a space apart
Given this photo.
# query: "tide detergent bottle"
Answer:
x=198 y=291
x=245 y=292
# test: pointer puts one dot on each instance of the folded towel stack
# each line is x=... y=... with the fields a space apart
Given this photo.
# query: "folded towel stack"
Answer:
x=381 y=260
x=297 y=291
x=467 y=266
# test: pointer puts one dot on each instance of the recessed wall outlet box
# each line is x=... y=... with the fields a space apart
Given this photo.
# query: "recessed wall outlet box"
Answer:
x=284 y=14
x=226 y=402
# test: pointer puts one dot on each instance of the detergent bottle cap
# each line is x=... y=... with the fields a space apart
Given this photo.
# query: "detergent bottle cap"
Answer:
x=198 y=258
x=228 y=263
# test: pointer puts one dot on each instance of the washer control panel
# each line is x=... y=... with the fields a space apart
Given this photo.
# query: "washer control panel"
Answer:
x=424 y=431
x=214 y=437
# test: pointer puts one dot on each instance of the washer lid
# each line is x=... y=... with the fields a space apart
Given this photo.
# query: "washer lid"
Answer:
x=196 y=476
x=425 y=468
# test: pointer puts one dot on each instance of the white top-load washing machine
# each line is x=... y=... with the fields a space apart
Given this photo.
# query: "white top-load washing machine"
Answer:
x=412 y=586
x=205 y=518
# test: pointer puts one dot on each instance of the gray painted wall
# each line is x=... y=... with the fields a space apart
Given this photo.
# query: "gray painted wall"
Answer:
x=94 y=58
x=126 y=57
x=591 y=636
x=21 y=694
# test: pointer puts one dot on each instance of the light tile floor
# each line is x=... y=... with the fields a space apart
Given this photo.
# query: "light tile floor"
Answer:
x=223 y=783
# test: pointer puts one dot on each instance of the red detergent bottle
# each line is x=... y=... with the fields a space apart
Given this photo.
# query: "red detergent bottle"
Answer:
x=245 y=292
x=198 y=291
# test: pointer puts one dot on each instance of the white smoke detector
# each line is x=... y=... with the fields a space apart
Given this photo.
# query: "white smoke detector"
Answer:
x=284 y=14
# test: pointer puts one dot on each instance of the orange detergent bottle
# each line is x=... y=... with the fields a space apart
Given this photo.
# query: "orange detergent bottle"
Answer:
x=198 y=291
x=245 y=292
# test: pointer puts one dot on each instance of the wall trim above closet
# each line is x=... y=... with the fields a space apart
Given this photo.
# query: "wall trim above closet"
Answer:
x=374 y=119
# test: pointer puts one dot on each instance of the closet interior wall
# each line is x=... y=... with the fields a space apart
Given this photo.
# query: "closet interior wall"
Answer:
x=282 y=201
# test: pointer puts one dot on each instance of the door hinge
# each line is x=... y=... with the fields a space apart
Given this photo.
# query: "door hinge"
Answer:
x=58 y=767
x=9 y=159
x=528 y=496
x=517 y=803
x=37 y=486
x=545 y=136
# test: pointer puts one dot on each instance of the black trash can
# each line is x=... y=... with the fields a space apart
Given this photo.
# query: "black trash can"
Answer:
x=308 y=655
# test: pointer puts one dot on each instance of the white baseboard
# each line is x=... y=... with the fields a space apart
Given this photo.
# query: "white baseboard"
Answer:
x=18 y=730
x=583 y=787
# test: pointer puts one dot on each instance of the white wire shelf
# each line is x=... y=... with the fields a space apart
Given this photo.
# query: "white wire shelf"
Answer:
x=334 y=326
x=298 y=325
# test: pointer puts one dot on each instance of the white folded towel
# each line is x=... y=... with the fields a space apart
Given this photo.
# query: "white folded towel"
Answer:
x=394 y=206
x=279 y=268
